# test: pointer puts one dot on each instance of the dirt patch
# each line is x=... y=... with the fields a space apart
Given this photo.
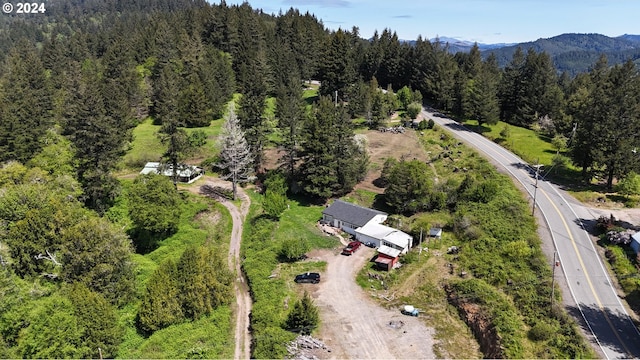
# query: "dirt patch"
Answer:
x=208 y=219
x=382 y=145
x=354 y=326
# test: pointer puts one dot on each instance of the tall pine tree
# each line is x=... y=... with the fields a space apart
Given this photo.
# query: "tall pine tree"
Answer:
x=26 y=107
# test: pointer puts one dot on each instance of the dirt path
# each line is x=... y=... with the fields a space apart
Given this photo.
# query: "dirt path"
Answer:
x=241 y=288
x=354 y=326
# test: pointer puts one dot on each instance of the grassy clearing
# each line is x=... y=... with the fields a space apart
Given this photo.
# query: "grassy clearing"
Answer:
x=362 y=197
x=298 y=222
x=535 y=148
x=146 y=145
x=522 y=141
x=206 y=338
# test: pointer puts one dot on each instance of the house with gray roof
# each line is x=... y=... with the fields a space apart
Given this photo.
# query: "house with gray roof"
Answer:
x=349 y=217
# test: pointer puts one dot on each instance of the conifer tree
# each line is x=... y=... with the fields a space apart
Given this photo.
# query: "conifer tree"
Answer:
x=97 y=317
x=304 y=316
x=98 y=254
x=98 y=130
x=167 y=112
x=26 y=107
x=291 y=115
x=252 y=122
x=333 y=161
x=337 y=70
x=615 y=147
x=236 y=159
x=160 y=306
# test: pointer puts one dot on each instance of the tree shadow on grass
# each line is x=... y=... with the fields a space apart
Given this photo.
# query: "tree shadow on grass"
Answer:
x=146 y=241
x=216 y=192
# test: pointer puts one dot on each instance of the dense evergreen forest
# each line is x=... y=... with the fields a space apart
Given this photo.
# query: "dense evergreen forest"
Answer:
x=576 y=53
x=76 y=80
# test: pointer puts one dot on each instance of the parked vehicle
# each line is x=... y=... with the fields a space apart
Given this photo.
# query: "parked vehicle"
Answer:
x=309 y=277
x=410 y=310
x=351 y=248
x=370 y=244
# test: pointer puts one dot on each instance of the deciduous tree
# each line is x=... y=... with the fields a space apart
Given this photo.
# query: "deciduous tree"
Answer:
x=154 y=205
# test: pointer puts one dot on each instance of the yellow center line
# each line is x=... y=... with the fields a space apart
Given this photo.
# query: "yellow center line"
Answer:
x=584 y=270
x=575 y=247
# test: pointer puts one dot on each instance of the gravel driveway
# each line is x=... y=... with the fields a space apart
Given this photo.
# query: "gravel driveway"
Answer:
x=354 y=326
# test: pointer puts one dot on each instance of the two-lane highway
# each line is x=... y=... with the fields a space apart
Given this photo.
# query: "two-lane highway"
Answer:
x=586 y=277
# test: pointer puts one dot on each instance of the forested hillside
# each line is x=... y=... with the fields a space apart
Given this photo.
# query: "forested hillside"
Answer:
x=95 y=265
x=576 y=53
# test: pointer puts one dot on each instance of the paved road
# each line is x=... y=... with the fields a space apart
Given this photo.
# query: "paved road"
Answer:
x=588 y=282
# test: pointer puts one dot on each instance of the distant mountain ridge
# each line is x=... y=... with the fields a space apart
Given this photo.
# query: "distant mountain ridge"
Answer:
x=456 y=45
x=573 y=53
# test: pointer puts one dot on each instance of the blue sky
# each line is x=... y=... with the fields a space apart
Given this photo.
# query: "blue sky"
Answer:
x=484 y=21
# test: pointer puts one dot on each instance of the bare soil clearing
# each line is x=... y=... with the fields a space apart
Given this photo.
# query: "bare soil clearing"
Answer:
x=382 y=145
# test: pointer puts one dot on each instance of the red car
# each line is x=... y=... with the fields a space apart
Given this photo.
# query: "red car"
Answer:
x=351 y=248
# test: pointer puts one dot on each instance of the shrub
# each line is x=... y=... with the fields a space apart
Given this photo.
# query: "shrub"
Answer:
x=154 y=204
x=541 y=332
x=293 y=249
x=413 y=110
x=197 y=138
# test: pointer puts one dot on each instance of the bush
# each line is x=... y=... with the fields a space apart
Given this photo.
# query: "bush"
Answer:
x=293 y=250
x=197 y=138
x=413 y=110
x=541 y=332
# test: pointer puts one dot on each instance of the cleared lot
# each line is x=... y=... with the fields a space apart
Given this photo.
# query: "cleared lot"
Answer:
x=353 y=326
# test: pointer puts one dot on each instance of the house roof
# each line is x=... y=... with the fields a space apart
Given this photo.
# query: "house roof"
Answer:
x=351 y=213
x=388 y=234
x=383 y=260
x=184 y=171
x=391 y=252
x=435 y=232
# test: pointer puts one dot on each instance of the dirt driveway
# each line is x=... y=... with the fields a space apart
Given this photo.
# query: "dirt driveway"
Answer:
x=243 y=304
x=354 y=326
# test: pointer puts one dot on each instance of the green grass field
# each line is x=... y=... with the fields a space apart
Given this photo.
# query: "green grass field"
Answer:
x=524 y=142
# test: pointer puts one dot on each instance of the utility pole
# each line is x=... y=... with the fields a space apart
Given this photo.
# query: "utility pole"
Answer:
x=535 y=188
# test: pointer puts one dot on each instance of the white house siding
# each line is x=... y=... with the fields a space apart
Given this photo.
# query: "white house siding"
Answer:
x=366 y=238
x=635 y=242
x=382 y=235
